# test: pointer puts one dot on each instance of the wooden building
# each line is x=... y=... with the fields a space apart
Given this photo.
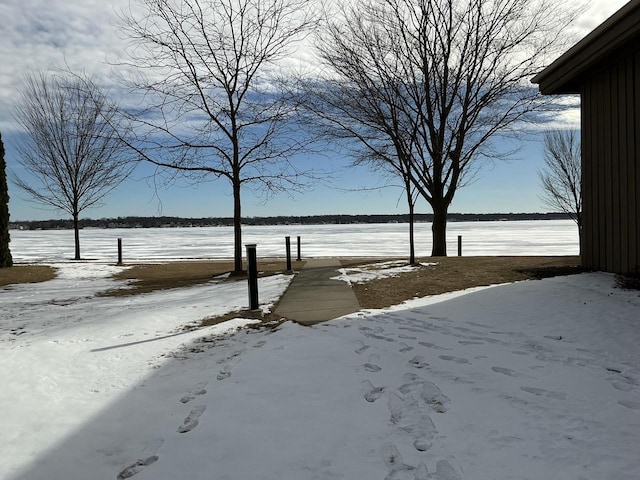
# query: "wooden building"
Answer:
x=604 y=68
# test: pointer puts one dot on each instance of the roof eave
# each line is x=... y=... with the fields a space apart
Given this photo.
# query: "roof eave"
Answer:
x=561 y=77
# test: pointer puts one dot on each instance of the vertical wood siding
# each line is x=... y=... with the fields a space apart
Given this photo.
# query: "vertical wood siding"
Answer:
x=611 y=166
x=634 y=165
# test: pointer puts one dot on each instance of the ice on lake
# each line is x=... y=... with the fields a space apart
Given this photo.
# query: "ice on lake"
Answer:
x=536 y=237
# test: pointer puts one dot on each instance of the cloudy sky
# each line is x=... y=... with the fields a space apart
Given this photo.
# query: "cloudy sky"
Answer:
x=82 y=33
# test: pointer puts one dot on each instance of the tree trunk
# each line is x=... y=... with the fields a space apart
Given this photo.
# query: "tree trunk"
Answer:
x=76 y=233
x=237 y=227
x=412 y=249
x=439 y=230
x=580 y=239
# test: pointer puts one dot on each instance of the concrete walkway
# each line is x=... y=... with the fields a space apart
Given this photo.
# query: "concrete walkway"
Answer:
x=312 y=297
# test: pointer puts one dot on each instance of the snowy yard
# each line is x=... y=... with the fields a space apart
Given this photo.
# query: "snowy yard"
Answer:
x=533 y=380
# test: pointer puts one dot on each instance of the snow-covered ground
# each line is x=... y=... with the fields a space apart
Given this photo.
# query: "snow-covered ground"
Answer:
x=533 y=380
x=538 y=237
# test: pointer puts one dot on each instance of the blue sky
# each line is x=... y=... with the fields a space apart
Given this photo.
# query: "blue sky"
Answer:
x=81 y=33
x=500 y=186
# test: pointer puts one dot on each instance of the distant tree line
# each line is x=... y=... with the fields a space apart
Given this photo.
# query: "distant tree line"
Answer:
x=174 y=222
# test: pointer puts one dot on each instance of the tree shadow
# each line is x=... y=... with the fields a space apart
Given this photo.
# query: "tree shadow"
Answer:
x=126 y=435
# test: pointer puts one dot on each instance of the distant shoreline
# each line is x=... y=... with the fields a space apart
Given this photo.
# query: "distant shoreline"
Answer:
x=174 y=222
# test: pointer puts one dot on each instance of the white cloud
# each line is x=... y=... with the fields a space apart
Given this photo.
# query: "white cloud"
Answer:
x=596 y=13
x=82 y=33
x=44 y=35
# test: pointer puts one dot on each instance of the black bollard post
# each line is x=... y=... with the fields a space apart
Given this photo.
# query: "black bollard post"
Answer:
x=252 y=276
x=119 y=251
x=459 y=245
x=299 y=258
x=287 y=241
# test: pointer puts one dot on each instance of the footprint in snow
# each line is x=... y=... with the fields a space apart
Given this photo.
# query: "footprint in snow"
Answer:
x=412 y=418
x=405 y=348
x=149 y=457
x=429 y=392
x=444 y=471
x=418 y=362
x=505 y=371
x=476 y=324
x=380 y=337
x=361 y=347
x=622 y=382
x=450 y=358
x=370 y=367
x=407 y=337
x=432 y=396
x=420 y=330
x=623 y=386
x=630 y=404
x=431 y=345
x=192 y=419
x=371 y=393
x=393 y=461
x=227 y=364
x=196 y=390
x=137 y=467
x=493 y=341
x=544 y=393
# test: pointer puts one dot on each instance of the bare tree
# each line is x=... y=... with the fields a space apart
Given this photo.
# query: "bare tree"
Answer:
x=71 y=152
x=207 y=69
x=561 y=178
x=395 y=170
x=430 y=83
x=358 y=111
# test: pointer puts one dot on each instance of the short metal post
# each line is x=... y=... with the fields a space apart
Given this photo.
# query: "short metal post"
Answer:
x=287 y=241
x=252 y=276
x=299 y=258
x=119 y=251
x=459 y=245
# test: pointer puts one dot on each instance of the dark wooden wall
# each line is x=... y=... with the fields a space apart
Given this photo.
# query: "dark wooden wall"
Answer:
x=611 y=165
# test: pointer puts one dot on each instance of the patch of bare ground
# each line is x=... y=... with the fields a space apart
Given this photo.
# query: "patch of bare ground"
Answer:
x=457 y=273
x=629 y=281
x=267 y=319
x=146 y=278
x=449 y=274
x=26 y=274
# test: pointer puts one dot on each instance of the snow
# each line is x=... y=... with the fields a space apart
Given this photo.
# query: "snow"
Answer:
x=536 y=237
x=67 y=354
x=375 y=270
x=531 y=380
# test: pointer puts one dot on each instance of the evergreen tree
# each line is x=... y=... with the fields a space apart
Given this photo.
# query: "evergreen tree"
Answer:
x=5 y=253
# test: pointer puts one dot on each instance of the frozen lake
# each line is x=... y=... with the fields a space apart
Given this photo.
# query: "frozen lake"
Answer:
x=539 y=237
